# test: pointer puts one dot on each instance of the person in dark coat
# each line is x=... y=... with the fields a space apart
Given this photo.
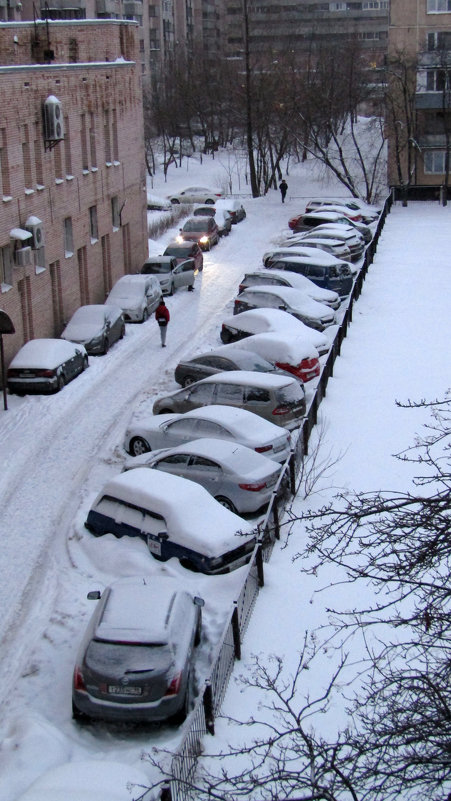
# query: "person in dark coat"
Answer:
x=283 y=186
x=162 y=317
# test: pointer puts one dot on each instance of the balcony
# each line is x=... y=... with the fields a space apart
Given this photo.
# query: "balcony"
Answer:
x=432 y=100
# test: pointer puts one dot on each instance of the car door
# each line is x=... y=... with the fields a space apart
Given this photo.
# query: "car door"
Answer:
x=177 y=432
x=257 y=400
x=206 y=472
x=183 y=274
x=198 y=395
x=175 y=463
x=229 y=394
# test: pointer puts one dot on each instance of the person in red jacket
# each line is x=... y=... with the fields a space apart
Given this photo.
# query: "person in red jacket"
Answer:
x=162 y=317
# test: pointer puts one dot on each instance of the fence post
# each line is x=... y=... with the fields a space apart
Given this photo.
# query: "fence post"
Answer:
x=275 y=510
x=236 y=633
x=166 y=794
x=208 y=709
x=259 y=564
x=292 y=466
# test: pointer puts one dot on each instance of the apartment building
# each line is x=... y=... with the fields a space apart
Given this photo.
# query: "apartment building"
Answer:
x=72 y=175
x=275 y=25
x=420 y=30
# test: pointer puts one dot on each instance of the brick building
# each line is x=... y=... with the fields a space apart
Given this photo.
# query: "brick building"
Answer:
x=420 y=32
x=72 y=175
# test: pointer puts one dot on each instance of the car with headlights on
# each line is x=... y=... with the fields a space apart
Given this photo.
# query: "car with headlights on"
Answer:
x=278 y=398
x=294 y=301
x=203 y=230
x=221 y=422
x=136 y=660
x=195 y=194
x=186 y=250
x=238 y=477
x=224 y=358
x=96 y=326
x=293 y=280
x=44 y=366
x=170 y=273
x=136 y=295
x=262 y=321
x=220 y=215
x=175 y=517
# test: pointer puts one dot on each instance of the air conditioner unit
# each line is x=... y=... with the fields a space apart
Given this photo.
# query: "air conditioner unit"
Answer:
x=53 y=119
x=35 y=227
x=23 y=257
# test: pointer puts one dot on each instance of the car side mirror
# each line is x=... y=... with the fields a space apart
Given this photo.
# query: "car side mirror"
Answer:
x=283 y=308
x=163 y=536
x=94 y=595
x=197 y=601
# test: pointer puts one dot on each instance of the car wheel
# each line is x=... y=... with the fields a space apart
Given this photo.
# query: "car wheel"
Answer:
x=122 y=334
x=209 y=202
x=175 y=202
x=78 y=715
x=165 y=411
x=145 y=315
x=225 y=337
x=106 y=345
x=226 y=503
x=171 y=289
x=61 y=382
x=188 y=702
x=139 y=445
x=188 y=380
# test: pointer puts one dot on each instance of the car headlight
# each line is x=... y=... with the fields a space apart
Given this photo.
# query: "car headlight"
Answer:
x=179 y=238
x=203 y=240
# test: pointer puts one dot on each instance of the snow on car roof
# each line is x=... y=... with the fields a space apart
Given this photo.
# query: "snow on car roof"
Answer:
x=228 y=453
x=260 y=321
x=319 y=257
x=193 y=518
x=45 y=353
x=296 y=298
x=152 y=596
x=236 y=420
x=279 y=348
x=250 y=378
x=296 y=280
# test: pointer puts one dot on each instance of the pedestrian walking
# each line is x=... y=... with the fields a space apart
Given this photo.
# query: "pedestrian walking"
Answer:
x=283 y=186
x=162 y=317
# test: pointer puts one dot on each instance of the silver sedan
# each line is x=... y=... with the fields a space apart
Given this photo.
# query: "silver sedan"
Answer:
x=238 y=477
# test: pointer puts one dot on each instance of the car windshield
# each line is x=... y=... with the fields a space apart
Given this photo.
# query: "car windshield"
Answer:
x=103 y=655
x=89 y=314
x=128 y=292
x=178 y=251
x=157 y=268
x=195 y=225
x=251 y=361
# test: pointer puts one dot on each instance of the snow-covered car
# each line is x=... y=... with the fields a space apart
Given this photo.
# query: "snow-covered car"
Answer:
x=45 y=365
x=176 y=517
x=203 y=230
x=332 y=246
x=170 y=273
x=369 y=213
x=138 y=667
x=349 y=236
x=294 y=301
x=287 y=352
x=136 y=295
x=96 y=326
x=290 y=279
x=235 y=209
x=262 y=321
x=186 y=250
x=352 y=214
x=277 y=398
x=308 y=222
x=219 y=213
x=220 y=422
x=157 y=203
x=225 y=357
x=238 y=477
x=195 y=194
x=323 y=269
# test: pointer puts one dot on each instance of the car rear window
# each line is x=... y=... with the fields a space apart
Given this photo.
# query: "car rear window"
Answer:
x=290 y=394
x=156 y=268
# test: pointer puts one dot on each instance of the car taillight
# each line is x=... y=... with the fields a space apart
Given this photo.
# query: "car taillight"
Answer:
x=174 y=686
x=253 y=487
x=281 y=410
x=79 y=683
x=241 y=288
x=263 y=448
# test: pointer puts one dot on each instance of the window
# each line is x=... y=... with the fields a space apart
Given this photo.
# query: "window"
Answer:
x=67 y=151
x=26 y=160
x=107 y=136
x=115 y=214
x=434 y=162
x=229 y=394
x=68 y=237
x=4 y=165
x=257 y=395
x=92 y=141
x=84 y=144
x=6 y=268
x=439 y=40
x=438 y=6
x=93 y=227
x=201 y=395
x=436 y=80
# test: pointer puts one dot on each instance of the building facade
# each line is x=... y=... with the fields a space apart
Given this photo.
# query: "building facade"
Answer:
x=420 y=32
x=72 y=175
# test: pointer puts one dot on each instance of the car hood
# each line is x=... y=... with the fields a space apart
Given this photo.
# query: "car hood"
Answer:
x=82 y=333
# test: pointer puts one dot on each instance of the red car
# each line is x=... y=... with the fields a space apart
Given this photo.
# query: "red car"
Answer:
x=203 y=230
x=186 y=250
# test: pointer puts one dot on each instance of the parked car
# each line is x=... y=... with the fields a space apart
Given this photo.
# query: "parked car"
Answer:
x=45 y=365
x=368 y=212
x=220 y=214
x=203 y=230
x=291 y=354
x=335 y=247
x=307 y=222
x=136 y=295
x=352 y=214
x=138 y=667
x=176 y=517
x=186 y=250
x=279 y=399
x=324 y=270
x=220 y=422
x=157 y=203
x=170 y=274
x=276 y=321
x=96 y=326
x=218 y=361
x=294 y=301
x=205 y=210
x=238 y=477
x=294 y=280
x=235 y=209
x=195 y=194
x=344 y=233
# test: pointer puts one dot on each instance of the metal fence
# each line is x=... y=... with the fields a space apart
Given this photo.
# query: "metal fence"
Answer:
x=208 y=703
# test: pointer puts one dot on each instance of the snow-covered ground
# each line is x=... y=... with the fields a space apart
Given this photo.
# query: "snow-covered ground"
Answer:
x=58 y=451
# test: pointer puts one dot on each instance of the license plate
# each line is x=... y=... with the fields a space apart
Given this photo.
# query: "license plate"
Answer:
x=154 y=546
x=114 y=689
